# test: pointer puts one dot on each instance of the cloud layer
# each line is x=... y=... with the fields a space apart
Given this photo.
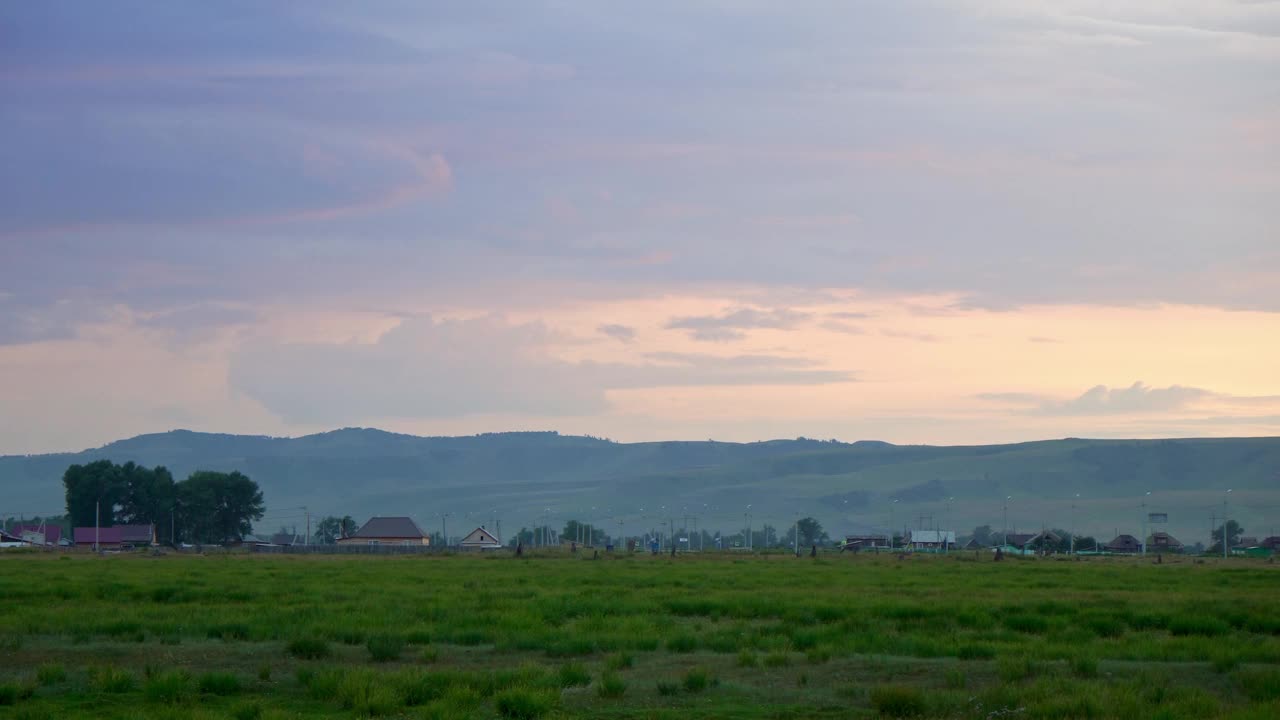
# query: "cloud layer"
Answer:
x=633 y=219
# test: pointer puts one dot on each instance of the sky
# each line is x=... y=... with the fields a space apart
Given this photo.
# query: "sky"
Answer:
x=970 y=221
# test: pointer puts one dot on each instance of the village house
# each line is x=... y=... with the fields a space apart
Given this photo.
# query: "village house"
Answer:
x=116 y=536
x=480 y=539
x=1124 y=544
x=1163 y=542
x=388 y=531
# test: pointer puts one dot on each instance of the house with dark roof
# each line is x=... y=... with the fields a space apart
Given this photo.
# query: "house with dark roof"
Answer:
x=1124 y=544
x=480 y=539
x=1163 y=542
x=388 y=531
x=115 y=536
x=1271 y=543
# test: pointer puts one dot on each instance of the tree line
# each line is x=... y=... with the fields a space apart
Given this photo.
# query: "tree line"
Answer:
x=206 y=507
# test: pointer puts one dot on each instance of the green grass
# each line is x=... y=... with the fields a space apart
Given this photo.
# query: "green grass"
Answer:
x=637 y=637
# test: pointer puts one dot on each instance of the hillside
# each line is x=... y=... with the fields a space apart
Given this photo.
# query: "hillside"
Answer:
x=850 y=487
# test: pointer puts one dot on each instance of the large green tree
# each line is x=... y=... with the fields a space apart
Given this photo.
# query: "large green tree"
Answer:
x=217 y=506
x=93 y=491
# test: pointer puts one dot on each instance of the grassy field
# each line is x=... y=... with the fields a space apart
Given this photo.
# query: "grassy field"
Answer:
x=712 y=636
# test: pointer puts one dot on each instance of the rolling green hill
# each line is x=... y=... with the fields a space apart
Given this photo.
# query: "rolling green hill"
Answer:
x=518 y=478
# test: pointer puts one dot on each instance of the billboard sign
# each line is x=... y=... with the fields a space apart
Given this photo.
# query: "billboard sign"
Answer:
x=1157 y=518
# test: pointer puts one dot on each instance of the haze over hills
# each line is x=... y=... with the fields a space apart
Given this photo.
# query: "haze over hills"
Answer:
x=850 y=487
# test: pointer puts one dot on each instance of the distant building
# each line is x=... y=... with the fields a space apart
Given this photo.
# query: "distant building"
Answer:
x=1246 y=541
x=388 y=531
x=37 y=534
x=288 y=539
x=931 y=539
x=864 y=542
x=1163 y=542
x=1271 y=543
x=115 y=536
x=1124 y=544
x=480 y=539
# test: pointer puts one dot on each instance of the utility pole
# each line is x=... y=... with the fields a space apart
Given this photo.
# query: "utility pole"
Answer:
x=1073 y=524
x=97 y=532
x=1224 y=523
x=307 y=540
x=444 y=529
x=1005 y=541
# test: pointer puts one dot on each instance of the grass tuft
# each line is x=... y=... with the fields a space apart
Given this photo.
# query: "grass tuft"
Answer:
x=308 y=648
x=897 y=701
x=525 y=703
x=385 y=648
x=611 y=685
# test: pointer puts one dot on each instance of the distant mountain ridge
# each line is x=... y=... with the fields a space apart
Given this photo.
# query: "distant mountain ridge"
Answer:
x=521 y=477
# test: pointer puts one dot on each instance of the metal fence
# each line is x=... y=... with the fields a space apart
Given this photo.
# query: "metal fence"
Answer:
x=387 y=549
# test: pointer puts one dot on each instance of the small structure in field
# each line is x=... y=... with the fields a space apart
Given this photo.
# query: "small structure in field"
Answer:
x=388 y=531
x=480 y=539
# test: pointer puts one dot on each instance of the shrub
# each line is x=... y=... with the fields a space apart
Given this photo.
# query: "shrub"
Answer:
x=170 y=687
x=51 y=674
x=306 y=648
x=697 y=680
x=818 y=656
x=219 y=683
x=347 y=637
x=1225 y=662
x=111 y=680
x=428 y=655
x=611 y=685
x=620 y=661
x=957 y=679
x=385 y=648
x=682 y=643
x=264 y=672
x=897 y=701
x=524 y=703
x=574 y=674
x=746 y=658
